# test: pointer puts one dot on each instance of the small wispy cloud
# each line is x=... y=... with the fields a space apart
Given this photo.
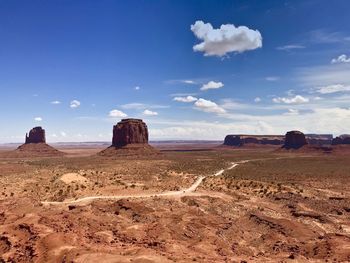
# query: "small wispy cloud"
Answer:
x=212 y=85
x=290 y=47
x=38 y=119
x=137 y=88
x=208 y=106
x=298 y=99
x=75 y=104
x=272 y=78
x=117 y=114
x=341 y=59
x=332 y=89
x=149 y=113
x=185 y=99
x=55 y=102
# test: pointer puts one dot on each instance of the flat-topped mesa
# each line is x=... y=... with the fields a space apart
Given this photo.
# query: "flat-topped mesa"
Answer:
x=294 y=140
x=129 y=131
x=36 y=135
x=241 y=139
x=342 y=139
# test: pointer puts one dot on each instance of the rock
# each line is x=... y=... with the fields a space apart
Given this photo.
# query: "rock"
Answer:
x=240 y=140
x=130 y=138
x=319 y=139
x=130 y=131
x=232 y=140
x=342 y=139
x=36 y=135
x=294 y=140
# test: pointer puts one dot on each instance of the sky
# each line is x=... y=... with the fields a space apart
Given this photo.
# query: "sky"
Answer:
x=190 y=69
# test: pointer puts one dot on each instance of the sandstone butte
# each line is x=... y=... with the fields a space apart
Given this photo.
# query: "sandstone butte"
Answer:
x=294 y=140
x=130 y=137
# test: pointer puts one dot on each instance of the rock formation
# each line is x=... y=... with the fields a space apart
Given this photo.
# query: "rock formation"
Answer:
x=130 y=131
x=319 y=139
x=36 y=135
x=130 y=137
x=294 y=140
x=240 y=140
x=342 y=139
x=35 y=145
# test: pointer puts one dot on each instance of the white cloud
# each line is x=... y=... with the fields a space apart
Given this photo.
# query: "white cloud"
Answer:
x=185 y=99
x=332 y=89
x=257 y=99
x=208 y=106
x=341 y=59
x=74 y=104
x=150 y=113
x=272 y=78
x=38 y=119
x=228 y=38
x=137 y=88
x=63 y=134
x=292 y=112
x=141 y=106
x=298 y=99
x=117 y=114
x=290 y=47
x=55 y=102
x=187 y=81
x=212 y=85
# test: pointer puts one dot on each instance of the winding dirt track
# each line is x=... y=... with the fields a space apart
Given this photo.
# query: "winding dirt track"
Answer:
x=180 y=193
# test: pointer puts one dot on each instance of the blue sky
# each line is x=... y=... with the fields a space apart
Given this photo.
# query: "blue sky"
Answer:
x=190 y=69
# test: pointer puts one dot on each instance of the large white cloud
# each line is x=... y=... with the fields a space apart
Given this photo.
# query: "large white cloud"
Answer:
x=341 y=59
x=332 y=89
x=185 y=99
x=117 y=114
x=208 y=106
x=298 y=99
x=150 y=113
x=212 y=85
x=228 y=38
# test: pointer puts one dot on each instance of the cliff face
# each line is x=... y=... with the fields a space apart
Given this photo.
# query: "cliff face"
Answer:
x=294 y=140
x=130 y=131
x=36 y=135
x=240 y=140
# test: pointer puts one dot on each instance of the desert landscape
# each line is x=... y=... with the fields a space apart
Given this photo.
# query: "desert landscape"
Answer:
x=171 y=131
x=132 y=202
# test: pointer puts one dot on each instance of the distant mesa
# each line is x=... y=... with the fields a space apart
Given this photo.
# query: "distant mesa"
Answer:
x=342 y=139
x=294 y=140
x=241 y=140
x=130 y=137
x=35 y=145
x=36 y=135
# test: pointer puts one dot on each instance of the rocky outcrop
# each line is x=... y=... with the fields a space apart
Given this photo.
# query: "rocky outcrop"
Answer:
x=130 y=131
x=342 y=139
x=294 y=140
x=36 y=135
x=319 y=139
x=240 y=140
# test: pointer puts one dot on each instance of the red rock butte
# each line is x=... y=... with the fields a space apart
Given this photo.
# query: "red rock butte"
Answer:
x=36 y=135
x=130 y=131
x=294 y=140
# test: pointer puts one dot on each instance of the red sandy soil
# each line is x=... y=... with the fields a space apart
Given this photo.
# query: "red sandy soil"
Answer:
x=278 y=207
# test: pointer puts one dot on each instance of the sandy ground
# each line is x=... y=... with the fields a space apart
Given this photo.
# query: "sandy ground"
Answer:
x=215 y=205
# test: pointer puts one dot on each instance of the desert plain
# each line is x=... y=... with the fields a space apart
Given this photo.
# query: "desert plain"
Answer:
x=185 y=203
